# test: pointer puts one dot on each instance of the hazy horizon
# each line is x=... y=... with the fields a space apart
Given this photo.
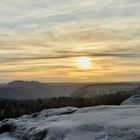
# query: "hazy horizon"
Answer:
x=70 y=40
x=69 y=82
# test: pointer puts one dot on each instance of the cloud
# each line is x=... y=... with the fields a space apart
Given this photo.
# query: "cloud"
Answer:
x=27 y=13
x=39 y=36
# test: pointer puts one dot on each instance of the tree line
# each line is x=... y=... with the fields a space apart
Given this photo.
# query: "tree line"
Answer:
x=14 y=108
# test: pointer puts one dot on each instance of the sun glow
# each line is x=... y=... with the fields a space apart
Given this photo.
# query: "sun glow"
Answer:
x=83 y=62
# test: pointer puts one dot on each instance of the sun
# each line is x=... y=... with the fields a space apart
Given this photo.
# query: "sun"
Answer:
x=83 y=62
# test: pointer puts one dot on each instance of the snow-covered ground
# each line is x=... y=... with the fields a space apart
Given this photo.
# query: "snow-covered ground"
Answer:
x=5 y=136
x=92 y=123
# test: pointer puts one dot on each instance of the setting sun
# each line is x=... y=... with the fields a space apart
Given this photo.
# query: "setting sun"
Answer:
x=83 y=62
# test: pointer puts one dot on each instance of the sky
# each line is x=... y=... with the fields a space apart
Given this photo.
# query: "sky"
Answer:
x=70 y=40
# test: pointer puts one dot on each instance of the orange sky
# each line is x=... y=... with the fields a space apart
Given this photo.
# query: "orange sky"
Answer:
x=47 y=40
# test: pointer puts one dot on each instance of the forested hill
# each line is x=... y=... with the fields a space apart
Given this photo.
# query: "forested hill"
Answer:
x=15 y=108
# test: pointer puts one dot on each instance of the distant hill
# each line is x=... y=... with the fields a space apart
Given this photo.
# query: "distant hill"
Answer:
x=24 y=90
x=34 y=89
x=103 y=88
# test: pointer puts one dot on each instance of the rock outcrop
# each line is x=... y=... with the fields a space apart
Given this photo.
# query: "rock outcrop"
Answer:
x=70 y=123
x=134 y=100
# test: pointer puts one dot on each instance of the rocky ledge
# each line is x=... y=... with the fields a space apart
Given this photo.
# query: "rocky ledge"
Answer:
x=70 y=123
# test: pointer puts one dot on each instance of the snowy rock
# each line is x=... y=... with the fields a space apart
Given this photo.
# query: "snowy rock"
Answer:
x=92 y=123
x=5 y=136
x=134 y=100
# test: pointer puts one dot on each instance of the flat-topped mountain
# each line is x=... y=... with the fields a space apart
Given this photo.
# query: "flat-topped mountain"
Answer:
x=24 y=90
x=23 y=84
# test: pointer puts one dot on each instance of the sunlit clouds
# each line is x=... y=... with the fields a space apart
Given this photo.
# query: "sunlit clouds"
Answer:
x=72 y=41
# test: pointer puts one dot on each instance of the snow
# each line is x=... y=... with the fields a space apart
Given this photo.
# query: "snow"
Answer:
x=134 y=100
x=70 y=123
x=5 y=136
